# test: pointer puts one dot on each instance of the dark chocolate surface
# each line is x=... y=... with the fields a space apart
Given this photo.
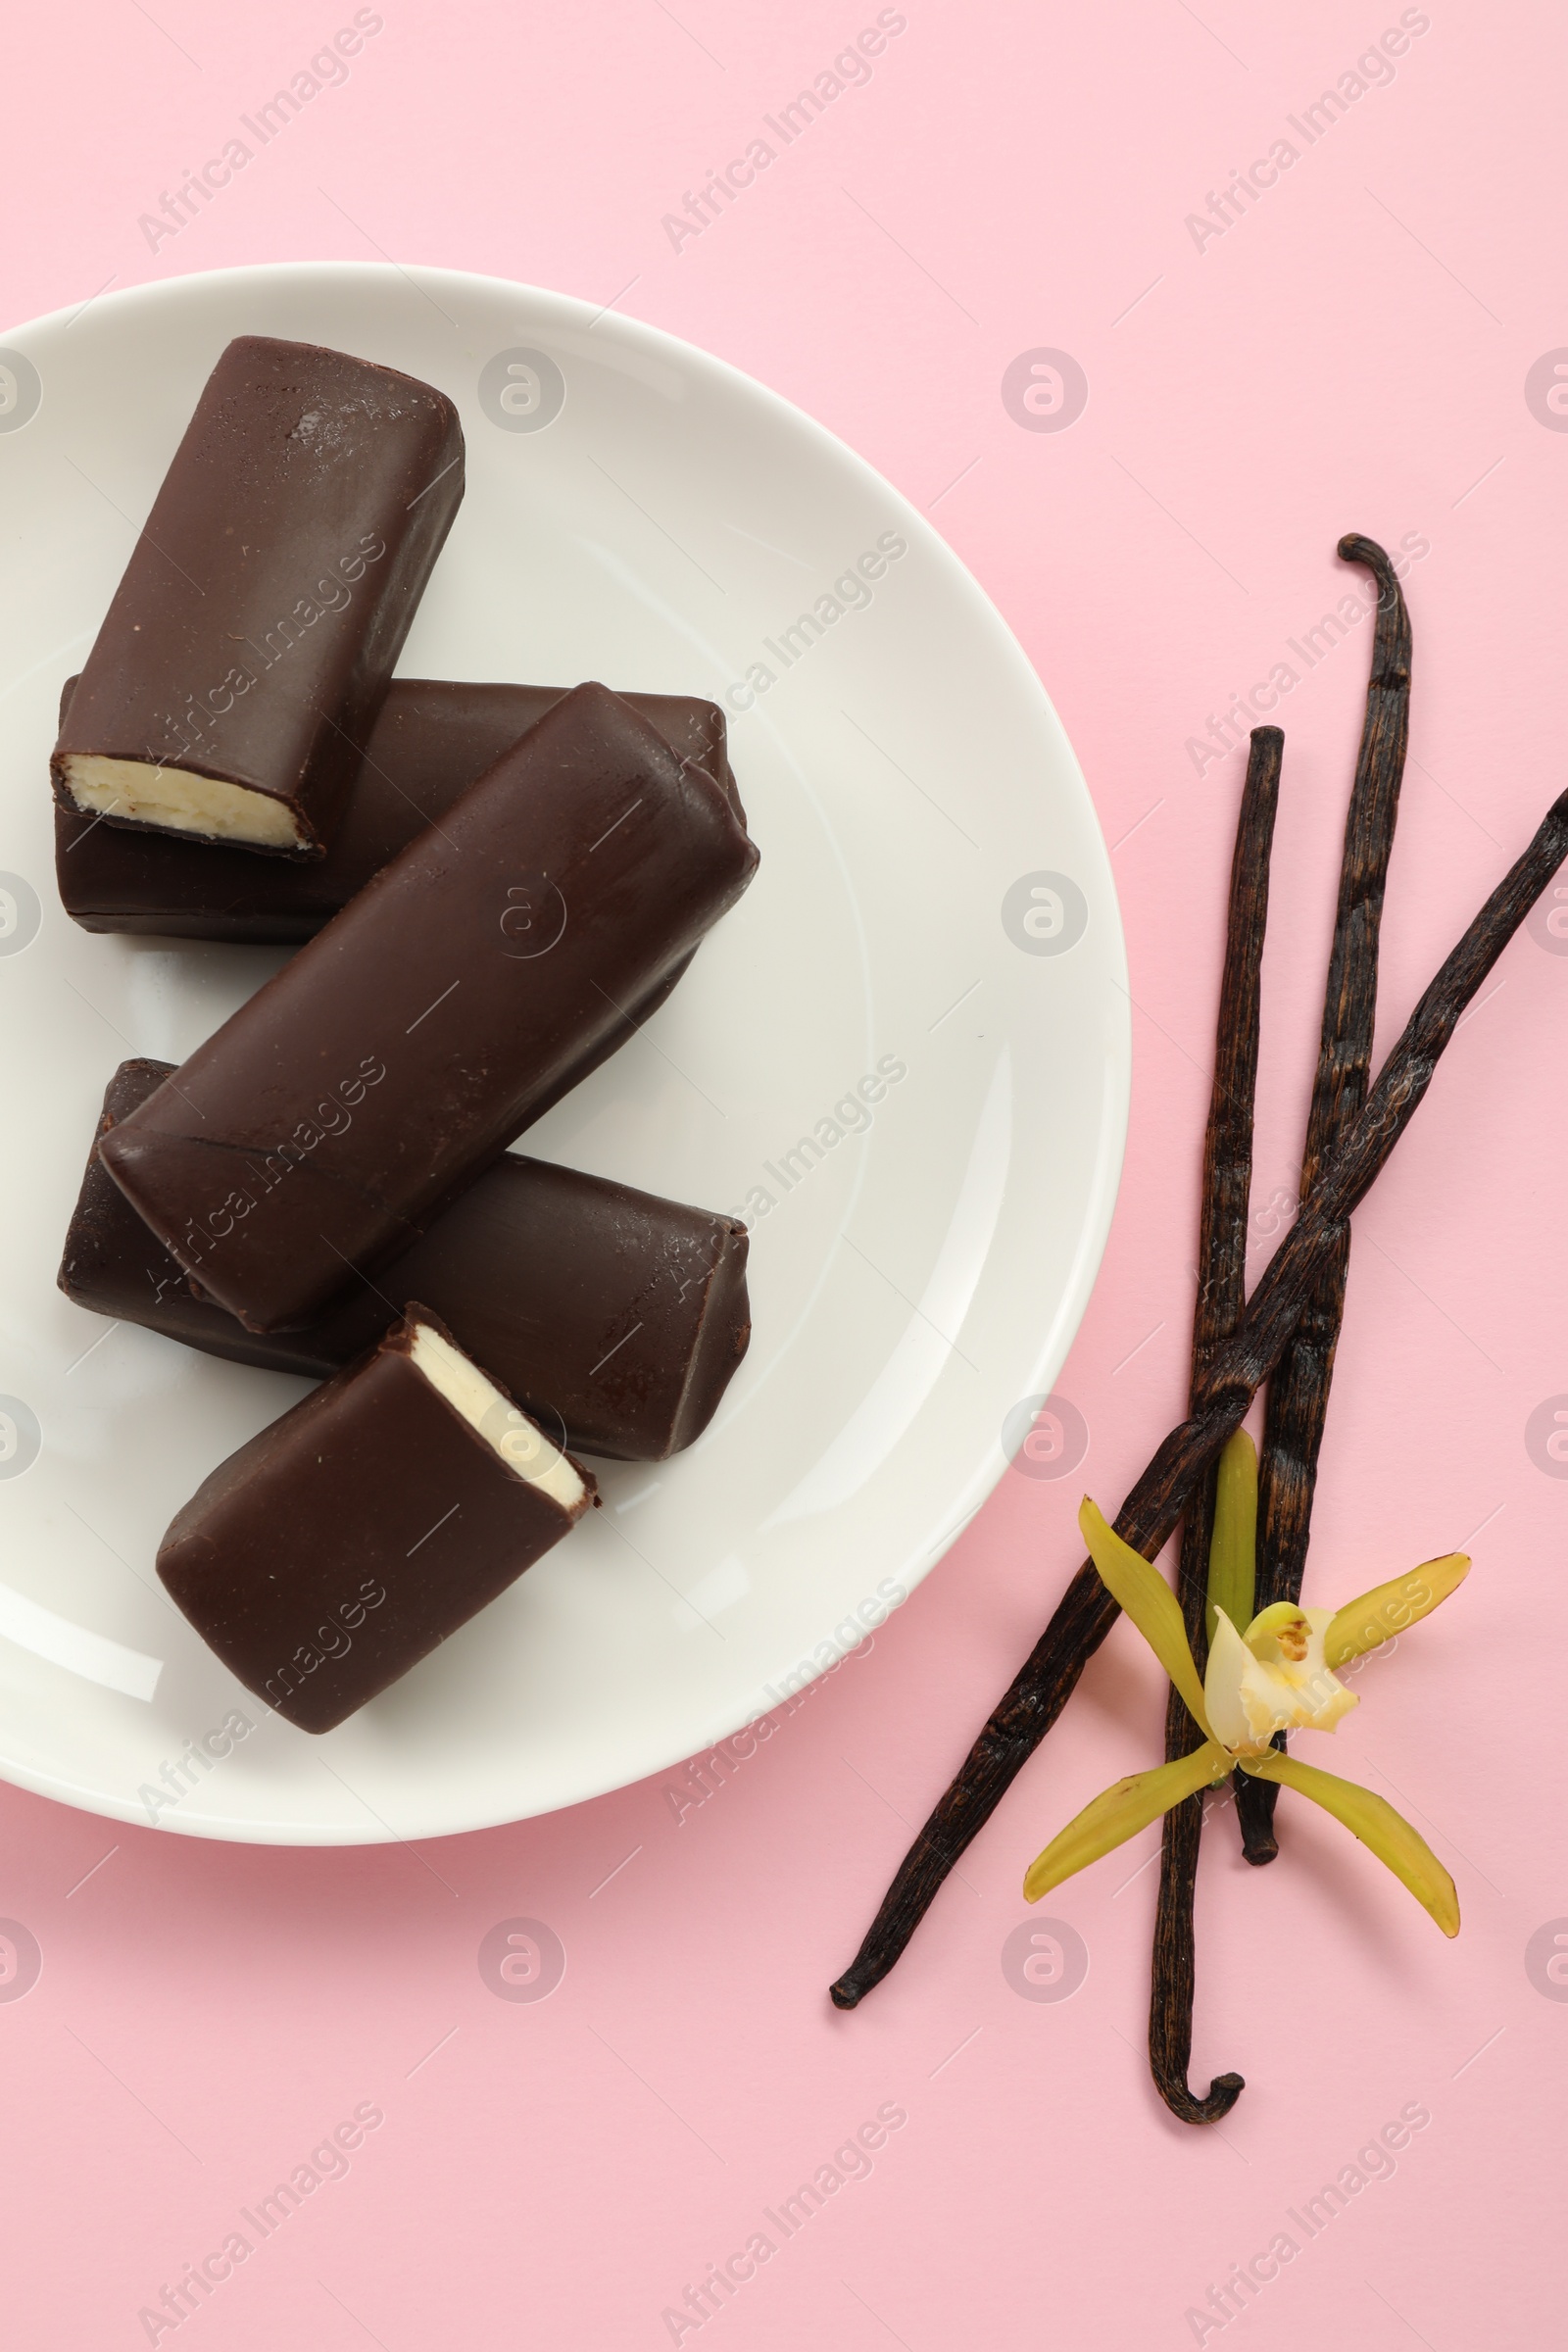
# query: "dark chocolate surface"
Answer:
x=259 y=619
x=352 y=1537
x=431 y=740
x=397 y=1055
x=611 y=1313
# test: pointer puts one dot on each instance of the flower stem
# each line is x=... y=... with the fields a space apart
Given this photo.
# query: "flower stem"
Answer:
x=1233 y=1547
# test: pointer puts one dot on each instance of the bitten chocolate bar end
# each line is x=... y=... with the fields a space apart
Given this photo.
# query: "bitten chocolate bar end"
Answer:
x=252 y=638
x=354 y=1535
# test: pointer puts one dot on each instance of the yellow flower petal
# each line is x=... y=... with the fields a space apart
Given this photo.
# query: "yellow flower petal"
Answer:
x=1225 y=1689
x=1377 y=1616
x=1377 y=1825
x=1233 y=1547
x=1149 y=1601
x=1119 y=1813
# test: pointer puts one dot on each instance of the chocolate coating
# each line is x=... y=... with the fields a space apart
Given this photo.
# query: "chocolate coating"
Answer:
x=609 y=1313
x=431 y=739
x=399 y=1051
x=256 y=628
x=372 y=1485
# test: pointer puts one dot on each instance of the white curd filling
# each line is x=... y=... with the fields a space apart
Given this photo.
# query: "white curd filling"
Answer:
x=525 y=1448
x=181 y=800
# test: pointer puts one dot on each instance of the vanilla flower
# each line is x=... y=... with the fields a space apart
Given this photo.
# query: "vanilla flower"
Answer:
x=1277 y=1674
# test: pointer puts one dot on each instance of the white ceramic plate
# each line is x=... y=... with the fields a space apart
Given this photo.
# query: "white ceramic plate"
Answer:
x=638 y=513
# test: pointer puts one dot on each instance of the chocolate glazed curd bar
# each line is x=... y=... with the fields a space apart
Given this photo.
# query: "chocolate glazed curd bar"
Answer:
x=399 y=1051
x=617 y=1319
x=350 y=1538
x=251 y=640
x=431 y=740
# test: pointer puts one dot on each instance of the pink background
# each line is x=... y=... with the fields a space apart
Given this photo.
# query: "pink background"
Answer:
x=1352 y=352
